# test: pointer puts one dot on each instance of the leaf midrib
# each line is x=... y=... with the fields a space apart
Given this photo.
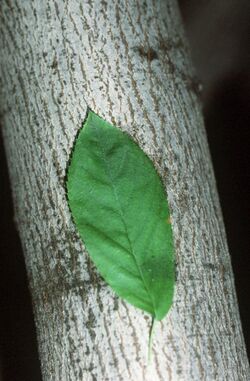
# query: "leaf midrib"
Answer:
x=123 y=221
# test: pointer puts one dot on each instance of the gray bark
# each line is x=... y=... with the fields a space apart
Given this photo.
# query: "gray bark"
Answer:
x=128 y=62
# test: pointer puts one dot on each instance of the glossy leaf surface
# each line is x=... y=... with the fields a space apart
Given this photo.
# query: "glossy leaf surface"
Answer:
x=120 y=209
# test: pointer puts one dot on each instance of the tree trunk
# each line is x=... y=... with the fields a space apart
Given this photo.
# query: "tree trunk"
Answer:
x=128 y=62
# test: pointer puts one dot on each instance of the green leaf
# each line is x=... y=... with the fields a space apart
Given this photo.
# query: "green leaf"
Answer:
x=120 y=209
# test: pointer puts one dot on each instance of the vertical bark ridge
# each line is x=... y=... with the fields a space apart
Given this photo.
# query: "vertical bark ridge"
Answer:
x=128 y=61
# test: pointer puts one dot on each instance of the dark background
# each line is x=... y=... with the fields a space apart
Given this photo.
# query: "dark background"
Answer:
x=219 y=37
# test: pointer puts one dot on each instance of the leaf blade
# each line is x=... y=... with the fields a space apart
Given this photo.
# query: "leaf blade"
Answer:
x=119 y=207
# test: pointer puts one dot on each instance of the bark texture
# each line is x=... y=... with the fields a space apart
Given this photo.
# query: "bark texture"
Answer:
x=127 y=60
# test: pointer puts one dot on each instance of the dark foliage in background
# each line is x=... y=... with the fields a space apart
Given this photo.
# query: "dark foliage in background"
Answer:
x=218 y=33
